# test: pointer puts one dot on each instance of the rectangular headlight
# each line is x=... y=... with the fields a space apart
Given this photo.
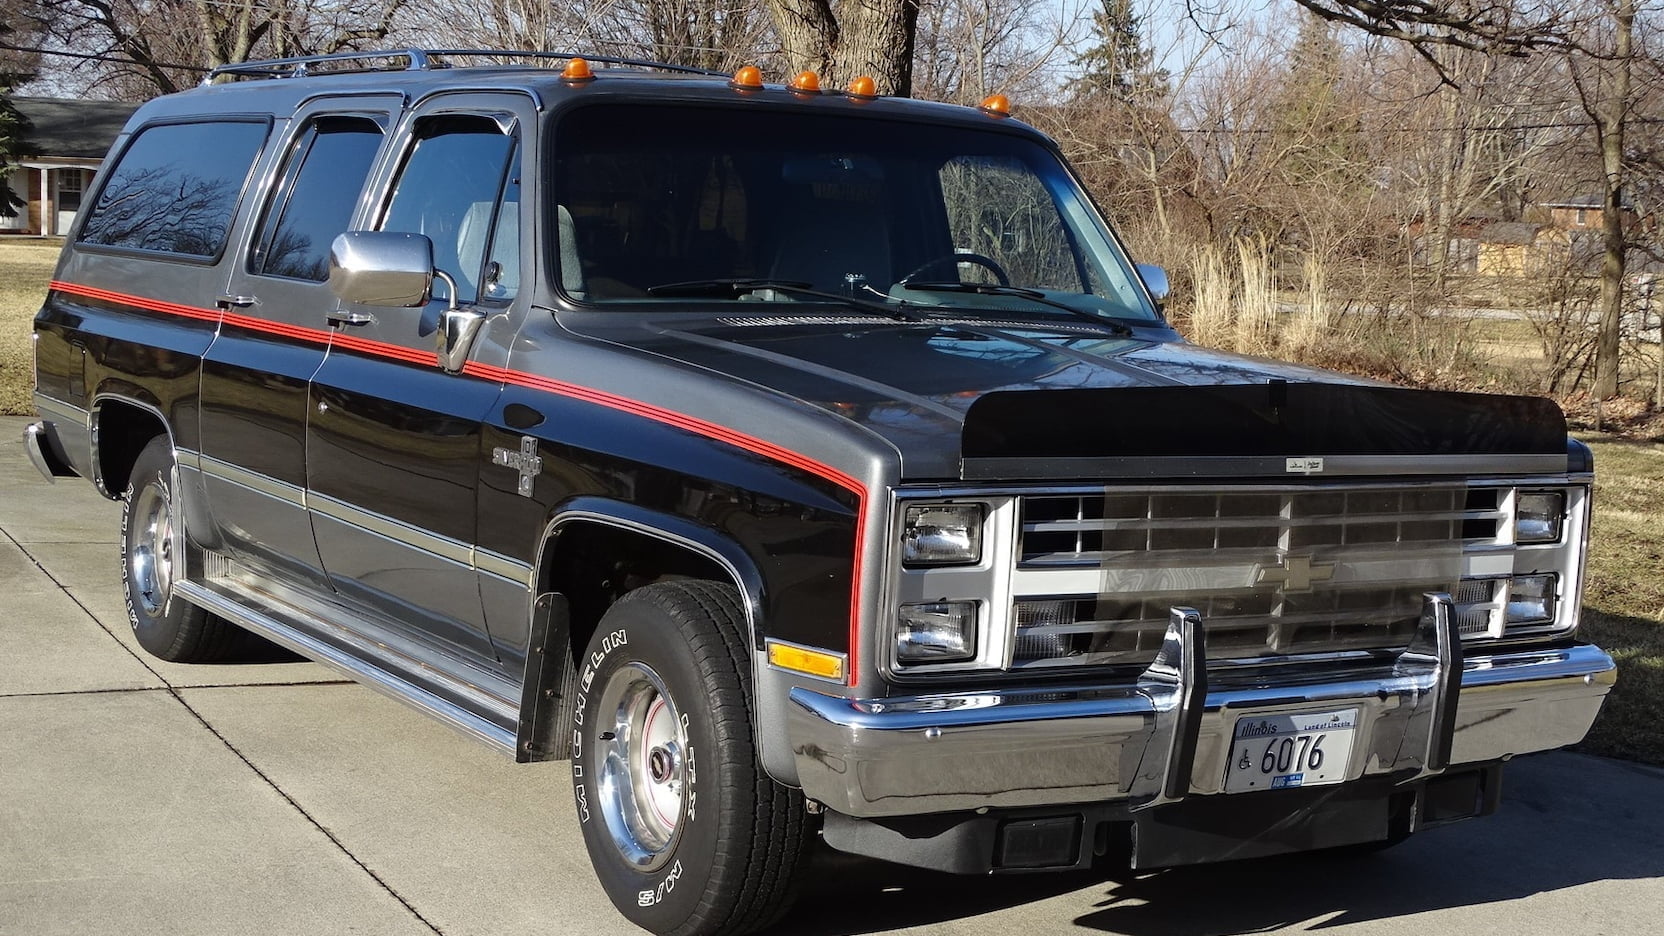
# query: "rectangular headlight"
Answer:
x=1537 y=516
x=936 y=632
x=1531 y=599
x=942 y=534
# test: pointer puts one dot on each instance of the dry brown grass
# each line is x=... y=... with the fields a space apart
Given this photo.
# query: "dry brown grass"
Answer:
x=25 y=269
x=1623 y=601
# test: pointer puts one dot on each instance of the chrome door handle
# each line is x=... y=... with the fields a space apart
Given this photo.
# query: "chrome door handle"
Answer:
x=343 y=317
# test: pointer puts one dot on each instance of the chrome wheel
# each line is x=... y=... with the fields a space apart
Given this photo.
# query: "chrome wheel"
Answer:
x=151 y=551
x=644 y=763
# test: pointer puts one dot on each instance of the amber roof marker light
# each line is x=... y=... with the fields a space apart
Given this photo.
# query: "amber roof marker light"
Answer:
x=995 y=105
x=749 y=78
x=805 y=82
x=863 y=88
x=577 y=71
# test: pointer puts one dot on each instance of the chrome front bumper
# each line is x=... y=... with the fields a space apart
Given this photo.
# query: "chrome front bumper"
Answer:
x=1167 y=735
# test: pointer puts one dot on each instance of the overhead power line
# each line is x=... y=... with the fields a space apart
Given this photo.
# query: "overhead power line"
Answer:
x=101 y=57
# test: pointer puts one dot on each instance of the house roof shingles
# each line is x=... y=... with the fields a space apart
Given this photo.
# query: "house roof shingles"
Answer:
x=71 y=129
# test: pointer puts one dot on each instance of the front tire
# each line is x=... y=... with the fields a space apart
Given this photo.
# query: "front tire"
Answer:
x=153 y=558
x=687 y=834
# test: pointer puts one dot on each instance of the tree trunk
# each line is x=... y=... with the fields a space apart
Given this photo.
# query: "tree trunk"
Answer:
x=1610 y=121
x=869 y=37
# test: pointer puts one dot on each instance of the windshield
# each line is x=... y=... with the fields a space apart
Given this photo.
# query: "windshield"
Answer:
x=659 y=204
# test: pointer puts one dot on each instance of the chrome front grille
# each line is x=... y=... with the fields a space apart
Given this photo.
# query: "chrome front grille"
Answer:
x=1091 y=529
x=1273 y=572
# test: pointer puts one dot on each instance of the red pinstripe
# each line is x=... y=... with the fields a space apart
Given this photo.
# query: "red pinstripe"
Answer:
x=538 y=382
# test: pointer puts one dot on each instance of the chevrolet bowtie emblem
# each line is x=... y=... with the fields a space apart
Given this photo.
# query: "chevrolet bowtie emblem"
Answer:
x=526 y=461
x=1295 y=574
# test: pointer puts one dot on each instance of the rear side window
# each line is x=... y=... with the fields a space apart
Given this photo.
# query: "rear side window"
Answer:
x=315 y=201
x=175 y=189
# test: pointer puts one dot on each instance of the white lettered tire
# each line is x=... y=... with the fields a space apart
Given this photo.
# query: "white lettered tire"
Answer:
x=687 y=834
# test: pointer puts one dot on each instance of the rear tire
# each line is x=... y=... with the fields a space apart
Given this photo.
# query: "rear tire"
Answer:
x=153 y=556
x=688 y=835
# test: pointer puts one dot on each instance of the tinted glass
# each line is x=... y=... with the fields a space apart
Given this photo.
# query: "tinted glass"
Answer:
x=448 y=190
x=176 y=188
x=502 y=274
x=999 y=209
x=317 y=204
x=649 y=196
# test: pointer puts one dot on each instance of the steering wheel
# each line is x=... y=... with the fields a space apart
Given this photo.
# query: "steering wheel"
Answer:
x=987 y=263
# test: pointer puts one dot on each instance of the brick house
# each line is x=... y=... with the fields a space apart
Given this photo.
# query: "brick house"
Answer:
x=63 y=146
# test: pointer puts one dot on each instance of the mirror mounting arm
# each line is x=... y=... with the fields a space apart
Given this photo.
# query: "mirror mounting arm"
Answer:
x=457 y=328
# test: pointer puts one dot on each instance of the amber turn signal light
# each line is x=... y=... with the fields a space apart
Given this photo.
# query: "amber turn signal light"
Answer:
x=806 y=82
x=577 y=69
x=807 y=660
x=863 y=88
x=749 y=78
x=996 y=105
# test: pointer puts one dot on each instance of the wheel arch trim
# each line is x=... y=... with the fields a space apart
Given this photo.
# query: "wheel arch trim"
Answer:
x=94 y=429
x=668 y=528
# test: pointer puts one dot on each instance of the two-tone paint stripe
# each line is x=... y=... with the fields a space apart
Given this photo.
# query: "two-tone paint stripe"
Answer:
x=453 y=550
x=503 y=375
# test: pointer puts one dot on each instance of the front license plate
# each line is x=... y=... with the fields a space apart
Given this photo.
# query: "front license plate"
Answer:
x=1278 y=752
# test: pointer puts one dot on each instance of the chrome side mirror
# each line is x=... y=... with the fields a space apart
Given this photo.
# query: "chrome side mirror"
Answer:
x=1155 y=280
x=381 y=268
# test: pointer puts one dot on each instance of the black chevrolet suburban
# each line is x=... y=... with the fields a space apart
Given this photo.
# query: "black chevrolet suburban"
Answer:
x=801 y=465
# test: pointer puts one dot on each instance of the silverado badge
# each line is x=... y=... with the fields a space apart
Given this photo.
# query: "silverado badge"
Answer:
x=526 y=461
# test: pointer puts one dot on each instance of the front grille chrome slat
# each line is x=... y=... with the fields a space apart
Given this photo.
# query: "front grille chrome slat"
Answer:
x=1273 y=572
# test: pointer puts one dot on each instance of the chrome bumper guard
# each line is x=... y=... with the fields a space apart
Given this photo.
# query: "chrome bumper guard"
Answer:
x=39 y=440
x=1168 y=734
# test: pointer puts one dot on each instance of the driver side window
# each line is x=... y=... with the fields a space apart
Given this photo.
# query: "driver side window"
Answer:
x=459 y=186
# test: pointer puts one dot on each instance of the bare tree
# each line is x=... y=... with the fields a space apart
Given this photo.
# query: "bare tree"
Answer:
x=134 y=49
x=968 y=49
x=855 y=37
x=1598 y=37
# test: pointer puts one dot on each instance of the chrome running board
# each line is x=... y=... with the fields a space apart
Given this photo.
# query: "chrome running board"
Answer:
x=466 y=707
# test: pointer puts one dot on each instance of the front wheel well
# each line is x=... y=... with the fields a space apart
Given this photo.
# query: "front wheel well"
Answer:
x=593 y=564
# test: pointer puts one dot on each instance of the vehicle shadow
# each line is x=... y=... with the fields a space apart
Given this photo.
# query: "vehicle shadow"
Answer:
x=1551 y=834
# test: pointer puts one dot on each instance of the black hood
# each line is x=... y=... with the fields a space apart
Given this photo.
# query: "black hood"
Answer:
x=916 y=384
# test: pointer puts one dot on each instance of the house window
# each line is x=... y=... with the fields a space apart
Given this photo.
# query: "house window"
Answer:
x=1582 y=217
x=70 y=185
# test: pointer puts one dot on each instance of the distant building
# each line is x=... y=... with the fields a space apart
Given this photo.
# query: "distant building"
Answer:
x=1575 y=214
x=62 y=148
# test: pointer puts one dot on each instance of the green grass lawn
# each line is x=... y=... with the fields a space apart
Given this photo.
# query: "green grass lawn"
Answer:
x=1623 y=608
x=25 y=268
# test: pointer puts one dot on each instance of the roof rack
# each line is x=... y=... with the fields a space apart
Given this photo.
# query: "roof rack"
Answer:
x=420 y=60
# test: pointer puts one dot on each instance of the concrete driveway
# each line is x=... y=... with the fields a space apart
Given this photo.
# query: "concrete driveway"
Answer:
x=142 y=797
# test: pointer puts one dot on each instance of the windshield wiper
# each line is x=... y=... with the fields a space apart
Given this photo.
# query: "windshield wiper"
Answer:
x=719 y=288
x=1023 y=292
